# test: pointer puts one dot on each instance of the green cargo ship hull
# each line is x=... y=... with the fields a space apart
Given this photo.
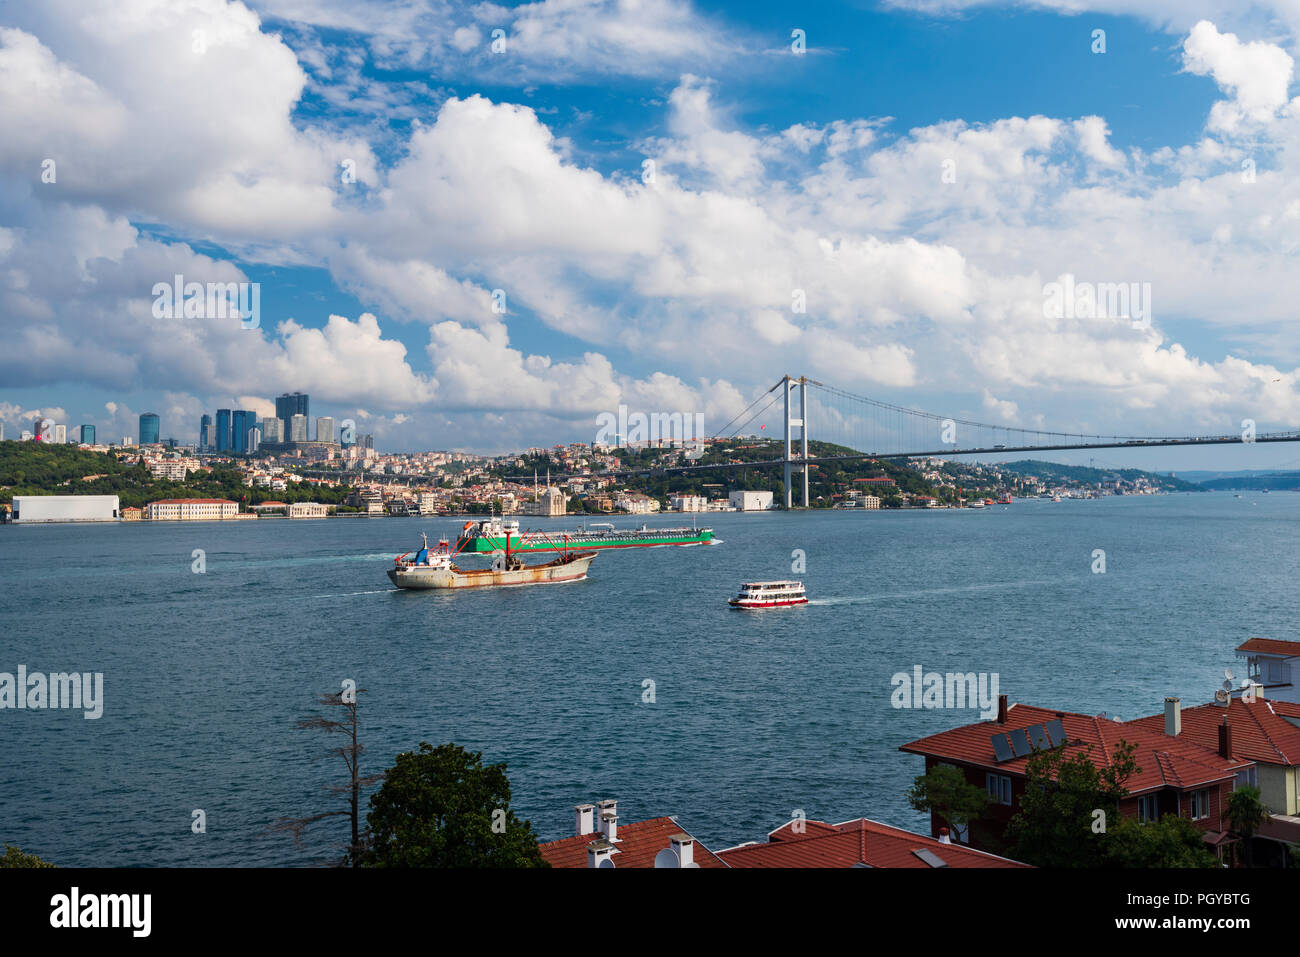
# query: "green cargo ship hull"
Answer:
x=558 y=541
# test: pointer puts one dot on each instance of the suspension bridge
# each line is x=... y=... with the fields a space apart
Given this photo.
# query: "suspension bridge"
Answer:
x=880 y=430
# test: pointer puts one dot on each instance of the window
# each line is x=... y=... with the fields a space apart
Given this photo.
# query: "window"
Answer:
x=1148 y=808
x=999 y=787
x=1200 y=804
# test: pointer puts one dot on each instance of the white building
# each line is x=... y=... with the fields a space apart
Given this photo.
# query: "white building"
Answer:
x=308 y=510
x=325 y=429
x=549 y=502
x=272 y=431
x=191 y=510
x=65 y=508
x=869 y=501
x=750 y=501
x=688 y=503
x=298 y=428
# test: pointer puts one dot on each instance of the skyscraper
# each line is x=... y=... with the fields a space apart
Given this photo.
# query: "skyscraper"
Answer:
x=149 y=423
x=87 y=435
x=325 y=429
x=61 y=434
x=298 y=427
x=223 y=430
x=205 y=432
x=287 y=406
x=272 y=431
x=242 y=423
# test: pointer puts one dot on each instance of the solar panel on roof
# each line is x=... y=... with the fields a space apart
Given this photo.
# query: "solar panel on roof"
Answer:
x=1020 y=743
x=1038 y=737
x=931 y=858
x=1002 y=748
x=1056 y=731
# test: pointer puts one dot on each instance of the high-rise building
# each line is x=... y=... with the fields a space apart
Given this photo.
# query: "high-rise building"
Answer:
x=149 y=423
x=298 y=428
x=254 y=439
x=272 y=431
x=87 y=435
x=287 y=406
x=42 y=430
x=242 y=423
x=367 y=441
x=205 y=432
x=325 y=429
x=223 y=430
x=61 y=434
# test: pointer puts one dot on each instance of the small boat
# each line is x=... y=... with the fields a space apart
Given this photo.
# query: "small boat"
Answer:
x=769 y=595
x=435 y=569
x=1004 y=499
x=975 y=503
x=1056 y=498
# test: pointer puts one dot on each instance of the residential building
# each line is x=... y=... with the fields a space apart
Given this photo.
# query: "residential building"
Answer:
x=1176 y=774
x=688 y=503
x=272 y=431
x=149 y=424
x=1275 y=664
x=868 y=501
x=600 y=841
x=859 y=843
x=297 y=427
x=191 y=509
x=325 y=429
x=132 y=514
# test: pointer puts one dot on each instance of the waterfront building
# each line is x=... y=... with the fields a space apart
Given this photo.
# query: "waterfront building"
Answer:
x=65 y=508
x=750 y=501
x=308 y=510
x=859 y=843
x=1177 y=775
x=599 y=841
x=149 y=424
x=1275 y=664
x=325 y=429
x=297 y=427
x=869 y=501
x=132 y=514
x=288 y=405
x=223 y=430
x=689 y=503
x=87 y=435
x=549 y=502
x=191 y=509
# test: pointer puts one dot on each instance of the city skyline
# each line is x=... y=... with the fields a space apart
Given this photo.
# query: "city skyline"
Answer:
x=831 y=195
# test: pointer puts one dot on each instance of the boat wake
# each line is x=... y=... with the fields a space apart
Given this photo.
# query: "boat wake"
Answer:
x=898 y=596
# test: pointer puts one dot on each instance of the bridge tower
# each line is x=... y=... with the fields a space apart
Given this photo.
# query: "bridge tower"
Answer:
x=789 y=383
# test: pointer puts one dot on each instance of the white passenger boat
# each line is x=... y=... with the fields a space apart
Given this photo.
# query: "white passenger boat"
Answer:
x=769 y=595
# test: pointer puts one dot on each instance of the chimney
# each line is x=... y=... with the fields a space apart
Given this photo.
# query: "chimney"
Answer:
x=1002 y=709
x=605 y=811
x=683 y=846
x=600 y=854
x=585 y=818
x=943 y=836
x=1225 y=739
x=1173 y=716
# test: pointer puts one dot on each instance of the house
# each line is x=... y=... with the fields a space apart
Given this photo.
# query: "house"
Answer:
x=1177 y=775
x=859 y=843
x=600 y=841
x=1275 y=664
x=1267 y=733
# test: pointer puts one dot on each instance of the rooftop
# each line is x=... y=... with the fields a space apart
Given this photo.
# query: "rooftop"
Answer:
x=637 y=846
x=1271 y=646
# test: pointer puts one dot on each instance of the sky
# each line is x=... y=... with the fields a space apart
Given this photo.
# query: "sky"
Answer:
x=479 y=226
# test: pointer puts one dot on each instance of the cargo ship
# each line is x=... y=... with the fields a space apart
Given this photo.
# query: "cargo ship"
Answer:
x=494 y=534
x=435 y=569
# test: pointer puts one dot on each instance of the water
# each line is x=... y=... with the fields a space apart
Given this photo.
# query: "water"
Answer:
x=756 y=713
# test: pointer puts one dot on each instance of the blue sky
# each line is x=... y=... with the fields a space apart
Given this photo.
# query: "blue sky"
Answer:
x=521 y=170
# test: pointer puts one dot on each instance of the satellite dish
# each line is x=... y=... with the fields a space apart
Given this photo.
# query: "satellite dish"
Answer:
x=1227 y=673
x=666 y=858
x=1222 y=697
x=1227 y=686
x=607 y=862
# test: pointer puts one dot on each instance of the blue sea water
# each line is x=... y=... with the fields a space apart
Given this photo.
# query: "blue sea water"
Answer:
x=755 y=714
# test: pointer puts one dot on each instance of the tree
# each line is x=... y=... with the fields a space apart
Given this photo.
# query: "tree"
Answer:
x=1056 y=825
x=1245 y=814
x=442 y=807
x=944 y=790
x=351 y=754
x=1170 y=841
x=13 y=857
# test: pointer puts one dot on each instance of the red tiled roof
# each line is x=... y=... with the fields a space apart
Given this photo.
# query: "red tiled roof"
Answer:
x=637 y=846
x=1163 y=761
x=1259 y=730
x=1271 y=646
x=852 y=843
